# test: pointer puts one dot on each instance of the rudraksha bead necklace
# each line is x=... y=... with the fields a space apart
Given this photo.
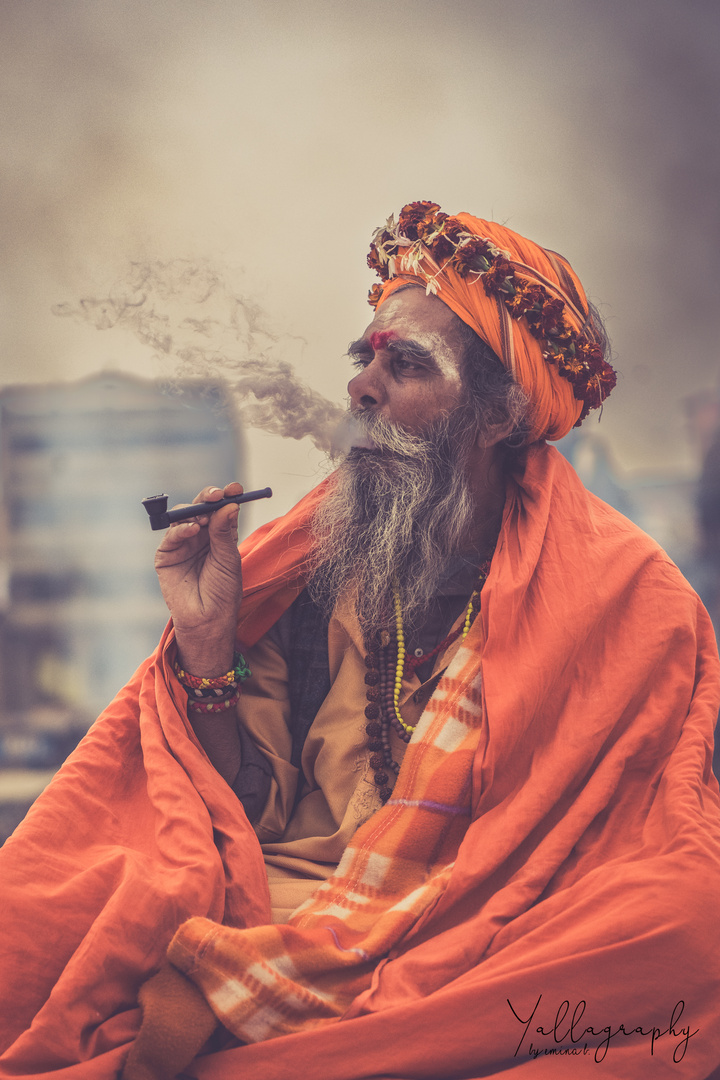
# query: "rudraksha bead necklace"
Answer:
x=383 y=685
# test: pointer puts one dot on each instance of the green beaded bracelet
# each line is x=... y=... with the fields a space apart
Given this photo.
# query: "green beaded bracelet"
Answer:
x=241 y=669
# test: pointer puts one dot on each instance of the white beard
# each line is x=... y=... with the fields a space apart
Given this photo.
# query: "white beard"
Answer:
x=396 y=511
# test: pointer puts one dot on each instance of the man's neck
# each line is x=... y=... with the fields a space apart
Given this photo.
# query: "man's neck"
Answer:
x=488 y=488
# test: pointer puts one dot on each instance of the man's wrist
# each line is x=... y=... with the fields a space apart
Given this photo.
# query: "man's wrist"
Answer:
x=207 y=657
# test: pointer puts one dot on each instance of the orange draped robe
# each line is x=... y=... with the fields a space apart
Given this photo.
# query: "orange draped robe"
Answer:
x=589 y=874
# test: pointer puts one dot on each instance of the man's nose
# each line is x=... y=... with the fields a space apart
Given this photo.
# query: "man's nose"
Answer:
x=365 y=389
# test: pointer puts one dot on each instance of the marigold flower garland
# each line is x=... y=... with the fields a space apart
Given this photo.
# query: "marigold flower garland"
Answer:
x=424 y=234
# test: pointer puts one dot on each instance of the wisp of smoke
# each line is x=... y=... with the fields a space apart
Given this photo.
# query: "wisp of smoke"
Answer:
x=185 y=311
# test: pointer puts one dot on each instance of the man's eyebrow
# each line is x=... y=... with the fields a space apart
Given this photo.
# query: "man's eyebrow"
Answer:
x=411 y=348
x=359 y=348
x=408 y=346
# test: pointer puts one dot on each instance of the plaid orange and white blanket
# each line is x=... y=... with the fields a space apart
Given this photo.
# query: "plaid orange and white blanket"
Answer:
x=271 y=980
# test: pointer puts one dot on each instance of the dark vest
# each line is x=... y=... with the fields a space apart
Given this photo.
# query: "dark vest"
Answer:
x=308 y=686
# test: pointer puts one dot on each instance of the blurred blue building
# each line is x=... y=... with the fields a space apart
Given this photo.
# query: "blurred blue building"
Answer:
x=80 y=607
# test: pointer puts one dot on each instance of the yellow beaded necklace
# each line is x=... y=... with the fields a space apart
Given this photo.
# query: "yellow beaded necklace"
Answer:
x=401 y=648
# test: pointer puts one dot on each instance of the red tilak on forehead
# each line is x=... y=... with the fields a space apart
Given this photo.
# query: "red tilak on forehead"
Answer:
x=380 y=338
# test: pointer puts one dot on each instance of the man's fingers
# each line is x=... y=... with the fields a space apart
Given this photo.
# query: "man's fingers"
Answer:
x=225 y=519
x=213 y=493
x=209 y=494
x=223 y=525
x=183 y=530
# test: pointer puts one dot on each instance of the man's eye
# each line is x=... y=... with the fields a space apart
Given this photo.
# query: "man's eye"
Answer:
x=402 y=363
x=360 y=361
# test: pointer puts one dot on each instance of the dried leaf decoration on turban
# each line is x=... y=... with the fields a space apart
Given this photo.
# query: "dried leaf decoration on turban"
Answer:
x=526 y=302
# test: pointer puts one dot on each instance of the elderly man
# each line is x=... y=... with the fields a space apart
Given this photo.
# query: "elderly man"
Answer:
x=470 y=729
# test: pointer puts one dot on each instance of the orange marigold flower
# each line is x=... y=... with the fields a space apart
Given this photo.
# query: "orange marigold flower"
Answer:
x=494 y=279
x=563 y=340
x=591 y=353
x=440 y=224
x=373 y=261
x=551 y=318
x=412 y=214
x=375 y=294
x=473 y=256
x=453 y=228
x=593 y=391
x=442 y=248
x=527 y=297
x=430 y=224
x=607 y=379
x=571 y=365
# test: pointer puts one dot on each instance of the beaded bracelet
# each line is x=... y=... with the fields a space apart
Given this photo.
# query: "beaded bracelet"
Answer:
x=239 y=673
x=210 y=693
x=214 y=706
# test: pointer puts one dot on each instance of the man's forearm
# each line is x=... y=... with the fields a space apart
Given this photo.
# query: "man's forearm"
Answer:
x=206 y=654
x=218 y=736
x=210 y=656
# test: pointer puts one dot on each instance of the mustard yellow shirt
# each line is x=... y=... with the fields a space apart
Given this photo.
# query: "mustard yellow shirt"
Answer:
x=312 y=812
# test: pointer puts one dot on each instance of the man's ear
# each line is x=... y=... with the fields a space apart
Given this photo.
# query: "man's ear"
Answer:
x=493 y=434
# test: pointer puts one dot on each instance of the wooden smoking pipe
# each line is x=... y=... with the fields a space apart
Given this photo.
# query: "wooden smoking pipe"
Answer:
x=162 y=518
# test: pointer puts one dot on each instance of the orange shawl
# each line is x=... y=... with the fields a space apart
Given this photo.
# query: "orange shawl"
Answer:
x=589 y=873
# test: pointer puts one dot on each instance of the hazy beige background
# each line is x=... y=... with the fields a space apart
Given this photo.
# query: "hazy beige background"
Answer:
x=271 y=138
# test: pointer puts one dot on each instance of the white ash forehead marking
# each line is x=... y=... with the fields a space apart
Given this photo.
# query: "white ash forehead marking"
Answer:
x=432 y=340
x=443 y=354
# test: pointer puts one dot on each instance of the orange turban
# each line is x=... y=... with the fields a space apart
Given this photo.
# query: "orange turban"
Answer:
x=524 y=301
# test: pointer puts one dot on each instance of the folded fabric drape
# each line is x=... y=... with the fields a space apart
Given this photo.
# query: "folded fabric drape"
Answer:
x=588 y=872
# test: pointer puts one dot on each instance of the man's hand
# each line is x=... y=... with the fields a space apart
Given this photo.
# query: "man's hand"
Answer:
x=199 y=569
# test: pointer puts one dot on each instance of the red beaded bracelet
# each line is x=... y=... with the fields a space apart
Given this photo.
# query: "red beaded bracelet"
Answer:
x=239 y=673
x=214 y=706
